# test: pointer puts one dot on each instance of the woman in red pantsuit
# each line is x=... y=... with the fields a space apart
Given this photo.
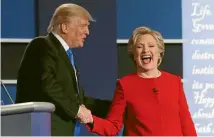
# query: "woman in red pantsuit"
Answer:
x=150 y=102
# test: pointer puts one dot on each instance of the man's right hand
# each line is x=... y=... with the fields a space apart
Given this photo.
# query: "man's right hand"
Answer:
x=84 y=115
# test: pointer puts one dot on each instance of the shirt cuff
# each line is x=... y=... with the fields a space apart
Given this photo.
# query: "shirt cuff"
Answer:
x=78 y=112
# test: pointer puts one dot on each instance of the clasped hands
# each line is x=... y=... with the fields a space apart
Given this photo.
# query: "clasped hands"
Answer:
x=84 y=115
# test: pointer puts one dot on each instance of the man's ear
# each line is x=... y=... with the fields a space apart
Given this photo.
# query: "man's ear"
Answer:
x=64 y=28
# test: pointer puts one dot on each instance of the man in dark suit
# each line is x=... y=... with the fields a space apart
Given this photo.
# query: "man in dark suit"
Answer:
x=48 y=73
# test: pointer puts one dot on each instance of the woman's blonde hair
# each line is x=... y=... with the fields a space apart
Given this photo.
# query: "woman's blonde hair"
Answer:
x=142 y=31
x=64 y=13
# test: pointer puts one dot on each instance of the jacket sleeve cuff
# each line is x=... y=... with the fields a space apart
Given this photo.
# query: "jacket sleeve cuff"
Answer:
x=93 y=127
x=77 y=111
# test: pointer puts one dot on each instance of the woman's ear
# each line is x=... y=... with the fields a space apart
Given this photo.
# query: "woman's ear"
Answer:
x=161 y=54
x=134 y=55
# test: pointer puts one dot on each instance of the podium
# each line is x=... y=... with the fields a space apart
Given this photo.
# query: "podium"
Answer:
x=26 y=119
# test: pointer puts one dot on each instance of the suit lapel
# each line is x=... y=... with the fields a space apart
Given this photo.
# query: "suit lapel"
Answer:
x=64 y=56
x=80 y=89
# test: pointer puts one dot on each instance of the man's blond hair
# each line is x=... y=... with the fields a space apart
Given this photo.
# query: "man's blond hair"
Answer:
x=64 y=13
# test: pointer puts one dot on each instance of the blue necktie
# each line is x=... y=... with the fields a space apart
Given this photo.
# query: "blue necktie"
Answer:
x=71 y=58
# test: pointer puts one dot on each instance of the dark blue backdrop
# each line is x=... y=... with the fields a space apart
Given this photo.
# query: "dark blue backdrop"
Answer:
x=18 y=17
x=162 y=15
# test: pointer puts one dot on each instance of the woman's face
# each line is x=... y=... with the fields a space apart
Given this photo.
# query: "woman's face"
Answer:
x=146 y=53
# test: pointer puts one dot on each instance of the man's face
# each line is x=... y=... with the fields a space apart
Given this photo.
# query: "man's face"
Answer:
x=77 y=31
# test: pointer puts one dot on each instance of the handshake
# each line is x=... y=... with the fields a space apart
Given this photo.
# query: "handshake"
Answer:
x=84 y=115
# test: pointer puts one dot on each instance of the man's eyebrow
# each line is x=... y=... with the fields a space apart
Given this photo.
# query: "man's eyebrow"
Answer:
x=85 y=24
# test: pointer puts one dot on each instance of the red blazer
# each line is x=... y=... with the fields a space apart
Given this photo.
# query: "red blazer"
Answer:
x=147 y=107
